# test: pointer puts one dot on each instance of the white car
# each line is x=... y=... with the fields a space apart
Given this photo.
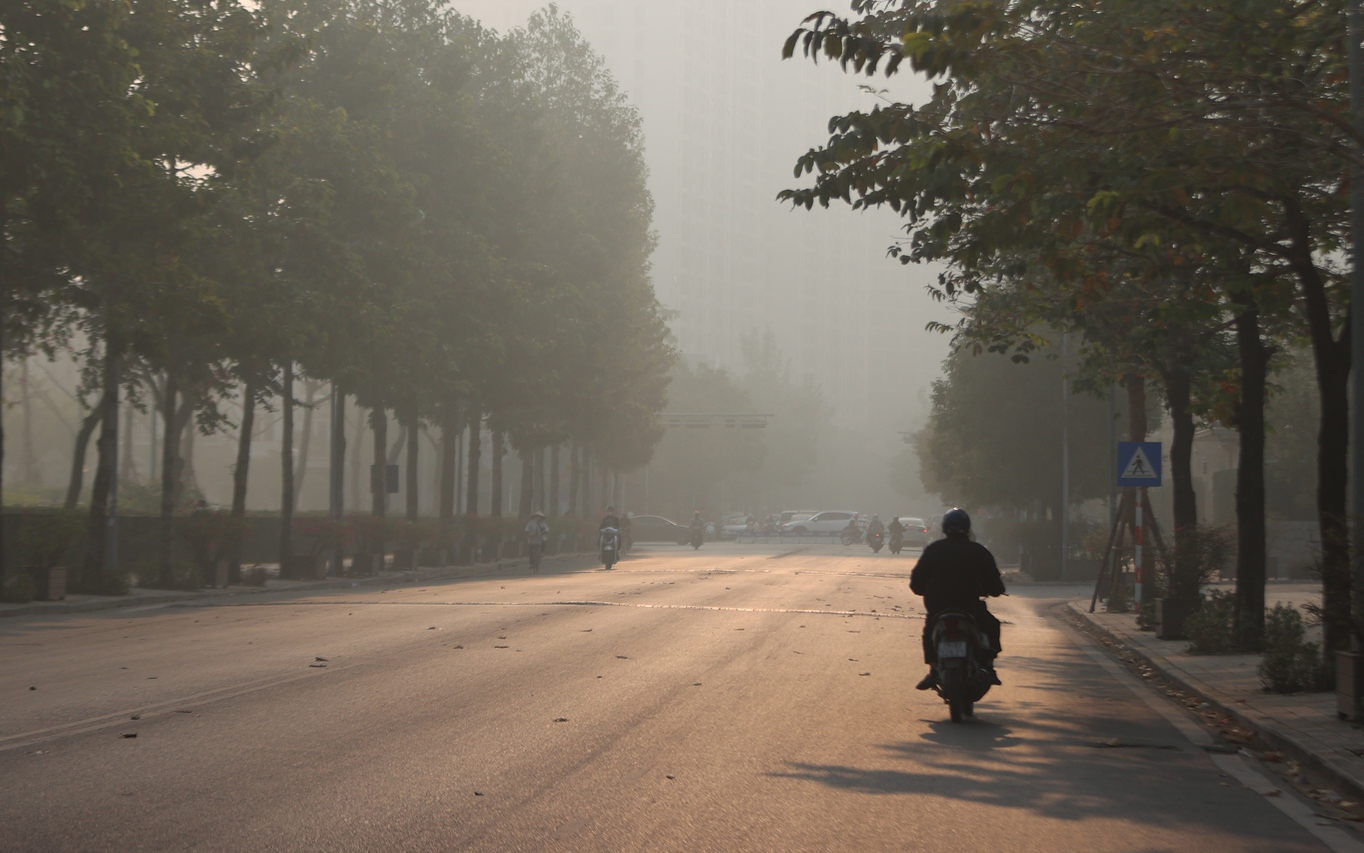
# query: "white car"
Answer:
x=831 y=521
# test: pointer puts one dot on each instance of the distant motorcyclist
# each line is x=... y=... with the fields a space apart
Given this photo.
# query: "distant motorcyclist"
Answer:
x=876 y=526
x=895 y=527
x=697 y=522
x=537 y=533
x=610 y=519
x=852 y=533
x=955 y=573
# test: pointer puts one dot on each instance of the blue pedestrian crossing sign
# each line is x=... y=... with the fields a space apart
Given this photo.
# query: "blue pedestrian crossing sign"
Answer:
x=1139 y=463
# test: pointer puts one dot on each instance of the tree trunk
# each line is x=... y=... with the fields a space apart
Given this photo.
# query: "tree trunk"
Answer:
x=1332 y=360
x=588 y=511
x=355 y=455
x=286 y=471
x=101 y=561
x=574 y=478
x=378 y=475
x=475 y=450
x=189 y=477
x=527 y=483
x=553 y=502
x=413 y=437
x=499 y=450
x=305 y=442
x=1185 y=587
x=77 y=480
x=449 y=482
x=241 y=475
x=127 y=470
x=1136 y=407
x=170 y=470
x=336 y=482
x=1250 y=479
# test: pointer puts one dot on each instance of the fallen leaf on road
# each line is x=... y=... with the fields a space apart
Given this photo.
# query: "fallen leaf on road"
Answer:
x=320 y=660
x=432 y=628
x=1273 y=792
x=502 y=647
x=478 y=793
x=456 y=647
x=864 y=673
x=33 y=688
x=854 y=660
x=1272 y=757
x=669 y=777
x=317 y=665
x=183 y=711
x=622 y=657
x=694 y=684
x=129 y=734
x=135 y=717
x=561 y=719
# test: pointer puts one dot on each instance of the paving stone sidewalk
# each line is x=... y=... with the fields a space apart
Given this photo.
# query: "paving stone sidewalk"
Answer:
x=1303 y=726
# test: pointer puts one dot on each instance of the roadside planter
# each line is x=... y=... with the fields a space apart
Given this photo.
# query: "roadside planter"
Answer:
x=1170 y=616
x=1349 y=684
x=49 y=583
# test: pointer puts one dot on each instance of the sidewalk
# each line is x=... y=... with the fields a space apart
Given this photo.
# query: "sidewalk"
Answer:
x=1302 y=726
x=139 y=597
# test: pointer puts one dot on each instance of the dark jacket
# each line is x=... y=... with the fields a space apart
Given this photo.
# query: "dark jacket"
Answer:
x=955 y=573
x=610 y=521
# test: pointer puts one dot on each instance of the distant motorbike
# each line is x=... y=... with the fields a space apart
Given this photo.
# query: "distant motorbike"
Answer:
x=610 y=547
x=697 y=537
x=897 y=541
x=962 y=680
x=876 y=541
x=851 y=536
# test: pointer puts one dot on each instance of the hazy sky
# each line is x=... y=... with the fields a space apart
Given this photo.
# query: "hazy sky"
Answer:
x=725 y=120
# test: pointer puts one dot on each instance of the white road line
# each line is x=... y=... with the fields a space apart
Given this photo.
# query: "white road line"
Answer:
x=1236 y=766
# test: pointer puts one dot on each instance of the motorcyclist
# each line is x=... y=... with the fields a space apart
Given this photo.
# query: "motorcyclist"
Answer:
x=537 y=533
x=697 y=522
x=895 y=527
x=876 y=526
x=852 y=531
x=610 y=519
x=955 y=573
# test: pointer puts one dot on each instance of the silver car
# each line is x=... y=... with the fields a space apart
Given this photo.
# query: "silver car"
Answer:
x=826 y=523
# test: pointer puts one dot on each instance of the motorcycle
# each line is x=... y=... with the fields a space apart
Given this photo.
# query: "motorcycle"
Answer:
x=697 y=537
x=962 y=679
x=897 y=542
x=851 y=536
x=610 y=547
x=876 y=541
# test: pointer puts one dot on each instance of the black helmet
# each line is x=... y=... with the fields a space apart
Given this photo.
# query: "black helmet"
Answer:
x=956 y=523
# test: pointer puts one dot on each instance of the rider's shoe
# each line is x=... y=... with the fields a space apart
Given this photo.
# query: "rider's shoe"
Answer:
x=929 y=681
x=994 y=676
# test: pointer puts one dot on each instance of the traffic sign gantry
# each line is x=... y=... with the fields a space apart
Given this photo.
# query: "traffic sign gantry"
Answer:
x=707 y=420
x=1139 y=464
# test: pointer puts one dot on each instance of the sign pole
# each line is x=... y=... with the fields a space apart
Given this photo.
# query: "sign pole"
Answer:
x=1137 y=543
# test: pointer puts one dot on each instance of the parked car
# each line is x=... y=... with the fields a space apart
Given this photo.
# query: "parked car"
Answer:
x=790 y=515
x=916 y=531
x=828 y=522
x=656 y=528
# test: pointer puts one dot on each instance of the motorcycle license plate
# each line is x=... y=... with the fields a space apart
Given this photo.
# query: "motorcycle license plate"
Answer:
x=952 y=649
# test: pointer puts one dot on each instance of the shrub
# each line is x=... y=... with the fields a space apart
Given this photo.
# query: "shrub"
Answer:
x=1119 y=598
x=44 y=539
x=17 y=588
x=1291 y=664
x=1212 y=629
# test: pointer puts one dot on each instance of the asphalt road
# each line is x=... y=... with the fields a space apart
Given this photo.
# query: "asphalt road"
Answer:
x=735 y=698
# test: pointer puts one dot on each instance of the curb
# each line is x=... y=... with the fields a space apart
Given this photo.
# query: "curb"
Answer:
x=60 y=608
x=1267 y=731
